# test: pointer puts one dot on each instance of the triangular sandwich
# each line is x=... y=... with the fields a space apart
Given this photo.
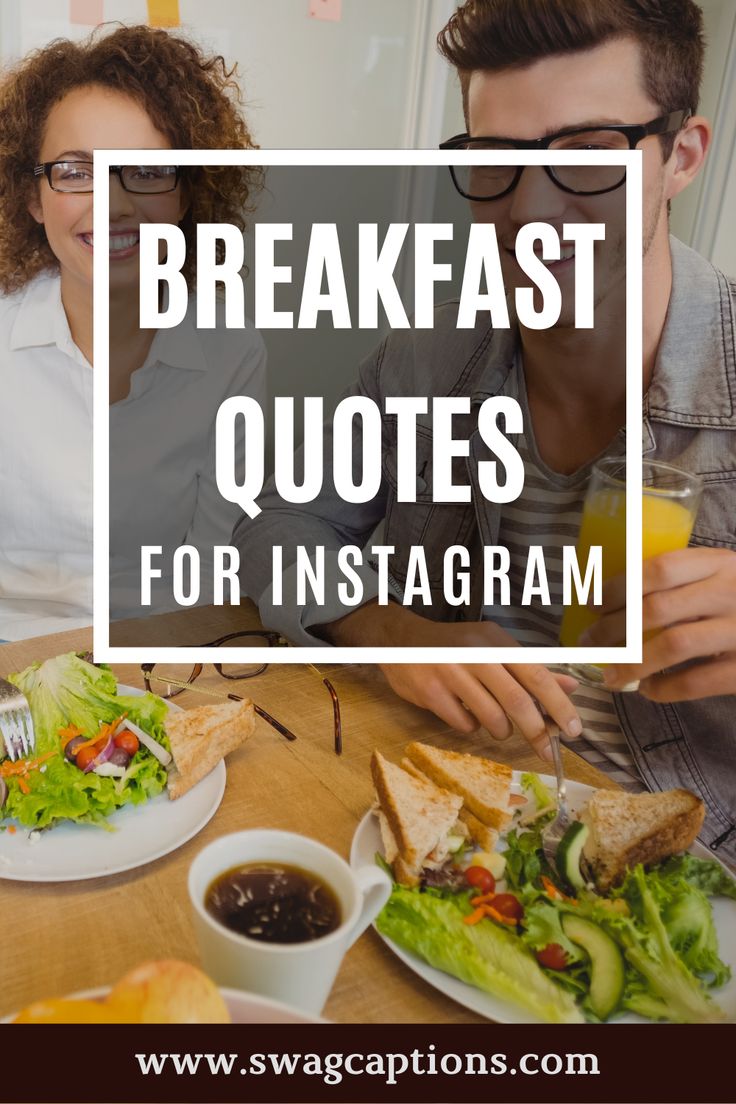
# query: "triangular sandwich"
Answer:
x=626 y=829
x=201 y=737
x=484 y=786
x=416 y=819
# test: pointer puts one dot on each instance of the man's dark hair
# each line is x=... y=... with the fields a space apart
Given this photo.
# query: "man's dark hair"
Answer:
x=491 y=35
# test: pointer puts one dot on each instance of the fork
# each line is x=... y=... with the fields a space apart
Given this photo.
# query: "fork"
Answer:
x=555 y=830
x=16 y=723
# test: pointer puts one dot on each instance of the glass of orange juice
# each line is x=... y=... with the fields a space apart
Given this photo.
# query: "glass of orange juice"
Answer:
x=670 y=500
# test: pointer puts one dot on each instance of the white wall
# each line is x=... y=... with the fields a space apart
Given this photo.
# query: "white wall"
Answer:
x=372 y=80
x=705 y=214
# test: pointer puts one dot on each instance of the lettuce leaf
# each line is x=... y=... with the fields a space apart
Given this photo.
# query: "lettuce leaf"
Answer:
x=484 y=954
x=706 y=875
x=69 y=690
x=532 y=784
x=543 y=925
x=670 y=983
x=687 y=918
x=525 y=861
x=661 y=918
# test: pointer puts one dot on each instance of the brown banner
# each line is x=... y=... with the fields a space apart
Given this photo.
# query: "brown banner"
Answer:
x=367 y=1063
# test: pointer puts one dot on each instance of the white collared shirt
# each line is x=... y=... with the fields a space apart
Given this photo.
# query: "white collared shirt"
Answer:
x=166 y=426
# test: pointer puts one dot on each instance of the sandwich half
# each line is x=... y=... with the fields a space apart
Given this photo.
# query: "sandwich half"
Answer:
x=484 y=786
x=626 y=829
x=201 y=737
x=418 y=820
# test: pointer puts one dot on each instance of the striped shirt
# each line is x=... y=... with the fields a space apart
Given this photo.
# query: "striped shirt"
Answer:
x=548 y=513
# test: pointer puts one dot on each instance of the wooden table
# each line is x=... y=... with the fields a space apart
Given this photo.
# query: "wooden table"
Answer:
x=75 y=935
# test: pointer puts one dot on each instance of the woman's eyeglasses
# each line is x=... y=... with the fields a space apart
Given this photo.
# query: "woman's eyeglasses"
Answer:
x=78 y=177
x=173 y=679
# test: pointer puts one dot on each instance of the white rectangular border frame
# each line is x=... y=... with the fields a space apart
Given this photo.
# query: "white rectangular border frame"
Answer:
x=630 y=653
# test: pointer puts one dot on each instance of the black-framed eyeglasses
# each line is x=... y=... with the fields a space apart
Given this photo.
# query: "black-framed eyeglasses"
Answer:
x=481 y=183
x=77 y=177
x=173 y=679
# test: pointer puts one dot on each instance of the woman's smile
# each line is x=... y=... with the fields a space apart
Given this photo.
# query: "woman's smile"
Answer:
x=124 y=242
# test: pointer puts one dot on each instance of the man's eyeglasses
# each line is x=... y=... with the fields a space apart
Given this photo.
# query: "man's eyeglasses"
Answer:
x=173 y=679
x=481 y=183
x=78 y=177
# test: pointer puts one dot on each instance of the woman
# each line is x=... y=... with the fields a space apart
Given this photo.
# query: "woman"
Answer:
x=134 y=88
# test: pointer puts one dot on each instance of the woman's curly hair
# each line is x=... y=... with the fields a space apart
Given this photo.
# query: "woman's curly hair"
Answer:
x=192 y=98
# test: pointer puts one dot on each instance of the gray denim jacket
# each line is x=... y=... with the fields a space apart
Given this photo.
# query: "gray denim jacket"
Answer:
x=689 y=419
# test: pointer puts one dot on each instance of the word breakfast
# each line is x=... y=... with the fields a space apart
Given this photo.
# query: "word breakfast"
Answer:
x=537 y=246
x=357 y=425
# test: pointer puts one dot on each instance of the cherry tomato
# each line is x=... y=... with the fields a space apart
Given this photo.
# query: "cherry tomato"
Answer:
x=128 y=741
x=508 y=905
x=552 y=956
x=86 y=756
x=480 y=878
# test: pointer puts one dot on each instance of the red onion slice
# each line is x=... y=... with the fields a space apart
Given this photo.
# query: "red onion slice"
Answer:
x=102 y=756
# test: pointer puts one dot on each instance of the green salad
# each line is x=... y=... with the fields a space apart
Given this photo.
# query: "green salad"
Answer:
x=68 y=694
x=569 y=954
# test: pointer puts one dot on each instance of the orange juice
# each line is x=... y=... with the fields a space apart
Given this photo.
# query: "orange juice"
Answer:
x=666 y=526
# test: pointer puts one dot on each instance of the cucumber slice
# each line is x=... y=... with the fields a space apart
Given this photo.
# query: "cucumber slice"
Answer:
x=606 y=964
x=569 y=850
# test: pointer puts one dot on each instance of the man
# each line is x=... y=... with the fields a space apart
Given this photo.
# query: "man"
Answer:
x=530 y=70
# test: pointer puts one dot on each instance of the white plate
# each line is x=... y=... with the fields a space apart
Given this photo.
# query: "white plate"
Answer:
x=244 y=1008
x=367 y=841
x=75 y=852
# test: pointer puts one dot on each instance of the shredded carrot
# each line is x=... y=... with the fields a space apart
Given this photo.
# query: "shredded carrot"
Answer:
x=102 y=735
x=11 y=829
x=34 y=764
x=91 y=743
x=499 y=916
x=485 y=899
x=69 y=733
x=24 y=787
x=551 y=889
x=486 y=910
x=474 y=917
x=23 y=766
x=555 y=893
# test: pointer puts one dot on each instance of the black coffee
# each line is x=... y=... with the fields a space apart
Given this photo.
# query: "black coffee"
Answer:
x=273 y=902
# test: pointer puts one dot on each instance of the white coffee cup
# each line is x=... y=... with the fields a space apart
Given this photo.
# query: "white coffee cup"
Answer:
x=300 y=974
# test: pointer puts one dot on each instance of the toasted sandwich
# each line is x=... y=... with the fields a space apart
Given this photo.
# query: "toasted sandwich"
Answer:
x=626 y=829
x=483 y=785
x=418 y=820
x=201 y=737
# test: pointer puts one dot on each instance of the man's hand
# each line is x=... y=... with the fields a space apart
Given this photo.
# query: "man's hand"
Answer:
x=465 y=695
x=690 y=605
